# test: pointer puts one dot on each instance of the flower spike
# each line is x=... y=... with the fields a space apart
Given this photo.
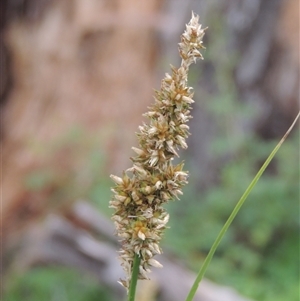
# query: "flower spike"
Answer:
x=140 y=194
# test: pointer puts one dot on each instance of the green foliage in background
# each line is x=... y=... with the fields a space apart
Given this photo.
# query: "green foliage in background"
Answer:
x=260 y=253
x=55 y=283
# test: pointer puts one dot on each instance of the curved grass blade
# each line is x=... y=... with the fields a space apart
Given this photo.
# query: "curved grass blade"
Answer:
x=234 y=213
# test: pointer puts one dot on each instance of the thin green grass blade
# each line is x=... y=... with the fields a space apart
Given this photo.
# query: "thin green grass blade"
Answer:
x=234 y=213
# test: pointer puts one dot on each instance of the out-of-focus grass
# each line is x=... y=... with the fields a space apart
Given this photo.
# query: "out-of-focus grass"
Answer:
x=260 y=252
x=55 y=284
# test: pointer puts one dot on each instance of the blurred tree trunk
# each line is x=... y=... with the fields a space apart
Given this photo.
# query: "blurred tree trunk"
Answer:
x=266 y=33
x=71 y=64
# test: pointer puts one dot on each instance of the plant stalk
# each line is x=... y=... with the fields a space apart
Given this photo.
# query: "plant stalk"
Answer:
x=134 y=277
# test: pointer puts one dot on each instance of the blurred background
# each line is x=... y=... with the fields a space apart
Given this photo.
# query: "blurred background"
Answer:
x=76 y=77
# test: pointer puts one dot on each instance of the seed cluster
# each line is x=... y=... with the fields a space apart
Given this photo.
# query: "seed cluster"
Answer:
x=153 y=180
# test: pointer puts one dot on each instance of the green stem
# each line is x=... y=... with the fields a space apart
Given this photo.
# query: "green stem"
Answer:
x=233 y=214
x=134 y=277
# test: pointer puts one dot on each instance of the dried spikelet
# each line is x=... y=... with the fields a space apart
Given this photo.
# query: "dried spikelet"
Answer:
x=139 y=216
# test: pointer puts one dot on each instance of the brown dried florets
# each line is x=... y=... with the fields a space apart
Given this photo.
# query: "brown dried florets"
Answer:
x=153 y=180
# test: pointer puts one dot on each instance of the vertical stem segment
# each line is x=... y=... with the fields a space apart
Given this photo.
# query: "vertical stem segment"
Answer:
x=134 y=277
